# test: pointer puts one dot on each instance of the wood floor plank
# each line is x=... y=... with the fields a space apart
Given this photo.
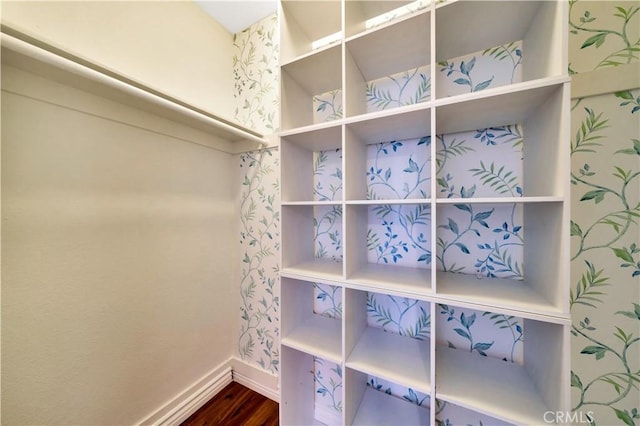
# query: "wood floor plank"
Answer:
x=236 y=405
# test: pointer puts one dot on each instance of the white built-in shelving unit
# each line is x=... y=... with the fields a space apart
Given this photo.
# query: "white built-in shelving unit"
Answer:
x=508 y=392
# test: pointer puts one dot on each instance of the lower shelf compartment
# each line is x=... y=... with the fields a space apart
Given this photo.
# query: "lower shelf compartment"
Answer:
x=393 y=357
x=378 y=408
x=488 y=385
x=317 y=335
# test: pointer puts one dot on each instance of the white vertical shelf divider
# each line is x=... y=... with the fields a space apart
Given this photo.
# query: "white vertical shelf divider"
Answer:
x=516 y=393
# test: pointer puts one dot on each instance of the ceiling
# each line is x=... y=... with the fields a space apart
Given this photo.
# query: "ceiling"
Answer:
x=237 y=15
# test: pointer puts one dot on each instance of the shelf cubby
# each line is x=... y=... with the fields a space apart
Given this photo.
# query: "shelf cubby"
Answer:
x=305 y=330
x=303 y=80
x=387 y=51
x=510 y=392
x=540 y=25
x=404 y=139
x=303 y=23
x=539 y=109
x=530 y=278
x=300 y=251
x=298 y=391
x=299 y=153
x=369 y=407
x=380 y=350
x=379 y=256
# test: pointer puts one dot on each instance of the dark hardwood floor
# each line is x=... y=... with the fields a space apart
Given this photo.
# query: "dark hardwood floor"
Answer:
x=236 y=405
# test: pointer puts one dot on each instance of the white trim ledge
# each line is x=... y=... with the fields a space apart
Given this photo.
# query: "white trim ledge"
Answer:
x=256 y=379
x=605 y=80
x=187 y=402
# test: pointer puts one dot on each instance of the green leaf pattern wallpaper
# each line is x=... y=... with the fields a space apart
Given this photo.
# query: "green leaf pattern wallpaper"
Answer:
x=258 y=339
x=478 y=239
x=256 y=76
x=605 y=200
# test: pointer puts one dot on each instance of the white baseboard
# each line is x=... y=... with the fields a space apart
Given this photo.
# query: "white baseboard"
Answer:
x=179 y=408
x=195 y=396
x=256 y=379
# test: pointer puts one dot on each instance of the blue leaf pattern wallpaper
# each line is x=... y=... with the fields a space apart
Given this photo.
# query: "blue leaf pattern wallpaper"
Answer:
x=327 y=106
x=478 y=239
x=405 y=88
x=327 y=375
x=485 y=240
x=327 y=221
x=492 y=157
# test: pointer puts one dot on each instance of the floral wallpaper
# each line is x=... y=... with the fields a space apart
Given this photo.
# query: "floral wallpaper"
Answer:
x=259 y=287
x=493 y=67
x=485 y=333
x=493 y=157
x=399 y=233
x=605 y=193
x=327 y=377
x=605 y=165
x=327 y=106
x=485 y=240
x=404 y=88
x=256 y=75
x=602 y=34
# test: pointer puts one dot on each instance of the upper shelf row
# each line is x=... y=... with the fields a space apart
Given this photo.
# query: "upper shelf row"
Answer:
x=422 y=42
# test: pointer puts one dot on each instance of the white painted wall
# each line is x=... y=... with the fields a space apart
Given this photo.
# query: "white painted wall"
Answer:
x=116 y=267
x=172 y=46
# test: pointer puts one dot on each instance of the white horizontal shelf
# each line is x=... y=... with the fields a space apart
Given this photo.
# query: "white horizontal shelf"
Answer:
x=378 y=408
x=320 y=269
x=317 y=72
x=390 y=125
x=319 y=336
x=298 y=133
x=500 y=106
x=505 y=105
x=394 y=201
x=311 y=203
x=415 y=281
x=501 y=200
x=488 y=385
x=389 y=356
x=315 y=137
x=488 y=293
x=311 y=53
